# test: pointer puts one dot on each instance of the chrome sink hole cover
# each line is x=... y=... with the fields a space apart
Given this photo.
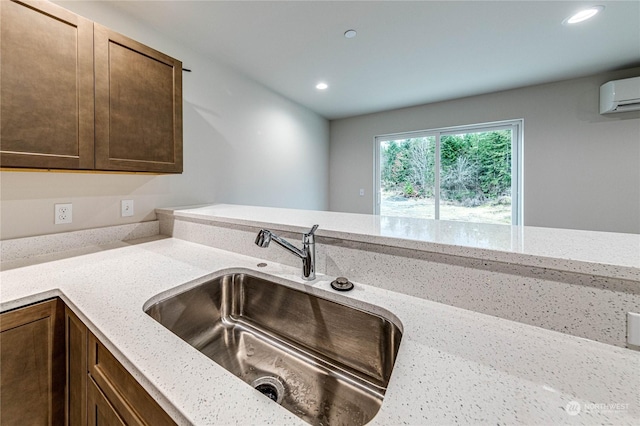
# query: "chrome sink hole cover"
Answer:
x=342 y=284
x=324 y=361
x=269 y=386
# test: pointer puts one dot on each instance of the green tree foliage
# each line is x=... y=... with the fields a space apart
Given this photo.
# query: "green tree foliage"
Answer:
x=474 y=167
x=452 y=147
x=494 y=161
x=395 y=164
x=408 y=164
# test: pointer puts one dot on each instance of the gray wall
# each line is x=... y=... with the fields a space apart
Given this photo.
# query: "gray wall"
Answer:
x=581 y=169
x=235 y=133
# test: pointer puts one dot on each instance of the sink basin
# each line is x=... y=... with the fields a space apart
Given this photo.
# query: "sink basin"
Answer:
x=324 y=361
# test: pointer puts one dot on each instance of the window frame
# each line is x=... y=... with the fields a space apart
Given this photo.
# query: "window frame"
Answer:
x=517 y=154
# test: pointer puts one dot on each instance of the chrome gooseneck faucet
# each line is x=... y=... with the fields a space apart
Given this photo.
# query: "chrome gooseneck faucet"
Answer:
x=307 y=254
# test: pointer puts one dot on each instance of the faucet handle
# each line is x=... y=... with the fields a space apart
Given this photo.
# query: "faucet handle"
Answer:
x=313 y=230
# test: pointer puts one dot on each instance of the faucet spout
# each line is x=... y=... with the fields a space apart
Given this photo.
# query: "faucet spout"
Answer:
x=307 y=254
x=264 y=238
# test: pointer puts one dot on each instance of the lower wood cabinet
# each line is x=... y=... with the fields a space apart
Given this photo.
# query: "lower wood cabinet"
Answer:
x=76 y=384
x=128 y=398
x=99 y=409
x=56 y=372
x=32 y=356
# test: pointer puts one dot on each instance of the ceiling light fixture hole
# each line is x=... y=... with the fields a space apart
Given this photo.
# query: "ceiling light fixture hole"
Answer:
x=350 y=33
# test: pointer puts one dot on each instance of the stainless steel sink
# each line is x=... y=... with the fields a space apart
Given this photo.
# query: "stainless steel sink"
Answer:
x=326 y=362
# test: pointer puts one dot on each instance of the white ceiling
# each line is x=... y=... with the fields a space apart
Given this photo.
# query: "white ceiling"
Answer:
x=406 y=53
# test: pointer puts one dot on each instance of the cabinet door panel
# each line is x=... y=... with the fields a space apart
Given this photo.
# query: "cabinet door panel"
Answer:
x=130 y=400
x=25 y=398
x=32 y=360
x=100 y=411
x=76 y=394
x=46 y=87
x=138 y=106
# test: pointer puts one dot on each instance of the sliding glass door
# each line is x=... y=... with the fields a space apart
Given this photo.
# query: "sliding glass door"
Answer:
x=466 y=174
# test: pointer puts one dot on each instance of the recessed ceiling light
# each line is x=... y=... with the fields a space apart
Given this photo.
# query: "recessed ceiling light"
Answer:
x=583 y=15
x=322 y=86
x=350 y=33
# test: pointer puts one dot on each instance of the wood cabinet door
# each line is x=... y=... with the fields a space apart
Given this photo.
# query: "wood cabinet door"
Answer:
x=128 y=398
x=46 y=87
x=138 y=106
x=76 y=381
x=100 y=411
x=32 y=359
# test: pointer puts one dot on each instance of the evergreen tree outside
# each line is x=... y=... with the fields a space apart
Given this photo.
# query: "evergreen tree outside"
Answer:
x=475 y=168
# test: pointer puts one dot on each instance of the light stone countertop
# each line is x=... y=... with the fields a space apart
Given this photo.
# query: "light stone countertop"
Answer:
x=607 y=254
x=454 y=366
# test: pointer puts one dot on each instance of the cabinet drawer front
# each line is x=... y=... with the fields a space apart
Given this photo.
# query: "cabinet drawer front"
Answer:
x=128 y=397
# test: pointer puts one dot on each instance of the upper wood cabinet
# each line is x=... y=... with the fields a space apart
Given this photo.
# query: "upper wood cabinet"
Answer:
x=138 y=105
x=76 y=95
x=46 y=87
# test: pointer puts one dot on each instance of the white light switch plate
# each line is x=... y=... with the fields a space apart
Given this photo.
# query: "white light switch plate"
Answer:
x=127 y=208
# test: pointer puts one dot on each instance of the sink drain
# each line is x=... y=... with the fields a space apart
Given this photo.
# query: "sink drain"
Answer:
x=269 y=386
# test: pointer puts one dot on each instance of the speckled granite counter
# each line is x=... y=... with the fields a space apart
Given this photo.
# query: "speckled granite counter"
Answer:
x=605 y=254
x=454 y=366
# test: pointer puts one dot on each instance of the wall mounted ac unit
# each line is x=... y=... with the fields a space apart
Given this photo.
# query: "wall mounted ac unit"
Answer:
x=620 y=95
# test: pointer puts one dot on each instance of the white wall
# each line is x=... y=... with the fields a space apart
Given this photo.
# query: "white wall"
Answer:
x=581 y=169
x=243 y=144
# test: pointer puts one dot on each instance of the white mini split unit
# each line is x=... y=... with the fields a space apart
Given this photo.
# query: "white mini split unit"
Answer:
x=620 y=96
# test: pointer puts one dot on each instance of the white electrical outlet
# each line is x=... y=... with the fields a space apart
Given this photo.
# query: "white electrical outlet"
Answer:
x=126 y=208
x=362 y=192
x=63 y=213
